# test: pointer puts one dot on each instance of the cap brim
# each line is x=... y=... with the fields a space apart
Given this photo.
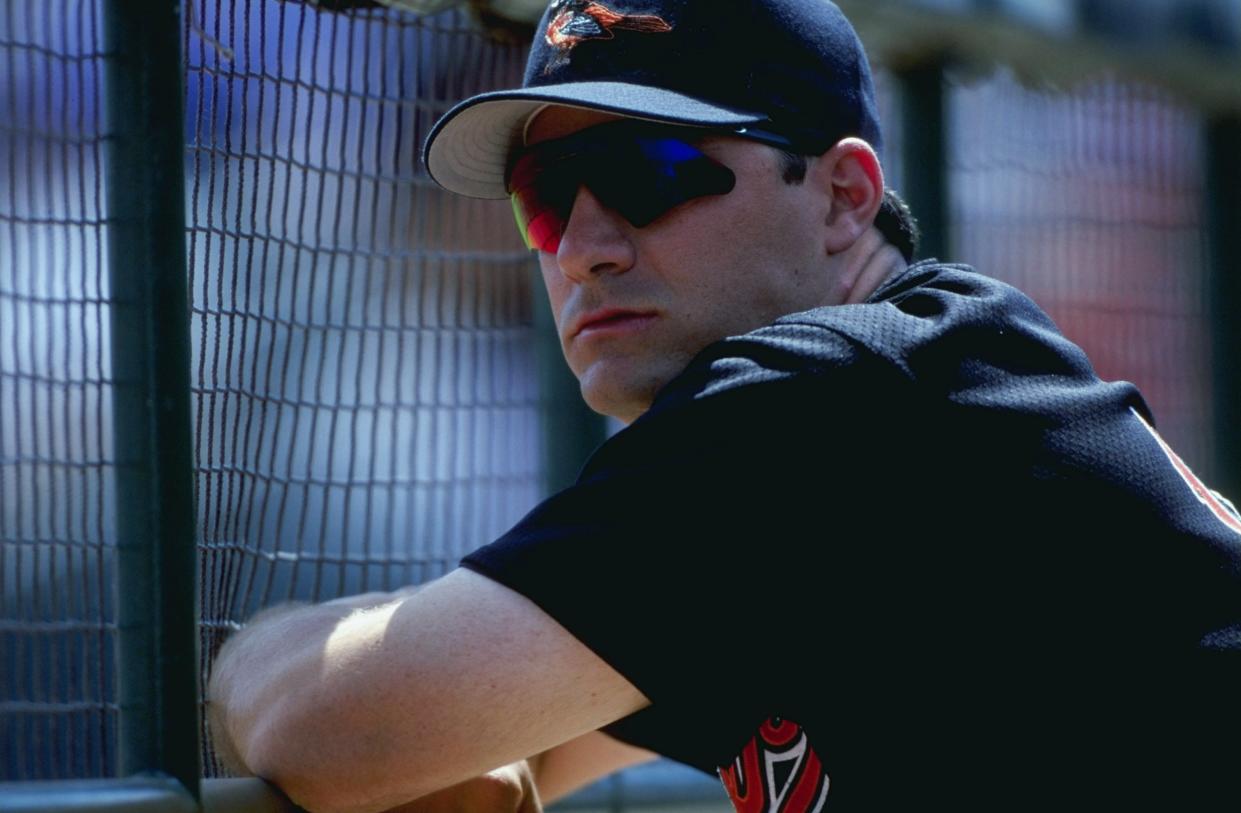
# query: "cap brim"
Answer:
x=469 y=147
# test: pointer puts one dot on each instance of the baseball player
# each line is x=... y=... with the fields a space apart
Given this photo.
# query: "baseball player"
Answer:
x=874 y=537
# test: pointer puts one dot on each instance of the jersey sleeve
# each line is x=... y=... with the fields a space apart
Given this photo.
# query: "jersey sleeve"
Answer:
x=694 y=531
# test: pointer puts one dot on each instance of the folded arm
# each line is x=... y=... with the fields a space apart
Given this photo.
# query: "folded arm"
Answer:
x=360 y=710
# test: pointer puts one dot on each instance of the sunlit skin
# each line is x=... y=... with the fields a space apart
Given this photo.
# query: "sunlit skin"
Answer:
x=712 y=267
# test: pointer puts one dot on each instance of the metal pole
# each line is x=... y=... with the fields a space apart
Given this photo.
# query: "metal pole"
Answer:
x=143 y=794
x=1224 y=206
x=925 y=158
x=157 y=595
x=138 y=794
x=571 y=430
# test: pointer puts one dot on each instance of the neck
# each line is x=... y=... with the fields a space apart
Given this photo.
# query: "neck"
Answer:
x=865 y=266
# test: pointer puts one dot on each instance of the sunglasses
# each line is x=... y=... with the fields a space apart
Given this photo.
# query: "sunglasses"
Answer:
x=639 y=170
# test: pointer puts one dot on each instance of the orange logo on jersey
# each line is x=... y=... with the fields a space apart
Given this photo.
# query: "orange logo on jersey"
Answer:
x=777 y=772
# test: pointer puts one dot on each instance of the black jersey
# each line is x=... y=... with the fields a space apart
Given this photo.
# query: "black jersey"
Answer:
x=906 y=554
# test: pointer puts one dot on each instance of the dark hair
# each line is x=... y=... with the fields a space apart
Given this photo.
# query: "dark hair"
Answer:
x=895 y=221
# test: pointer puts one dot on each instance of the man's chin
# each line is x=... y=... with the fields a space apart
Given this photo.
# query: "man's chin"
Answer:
x=624 y=410
x=619 y=391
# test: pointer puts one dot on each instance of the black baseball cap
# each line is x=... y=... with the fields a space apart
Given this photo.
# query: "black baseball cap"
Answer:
x=790 y=72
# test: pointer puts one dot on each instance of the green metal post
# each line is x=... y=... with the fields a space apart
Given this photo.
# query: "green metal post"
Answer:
x=571 y=430
x=925 y=156
x=143 y=794
x=137 y=794
x=157 y=595
x=1224 y=204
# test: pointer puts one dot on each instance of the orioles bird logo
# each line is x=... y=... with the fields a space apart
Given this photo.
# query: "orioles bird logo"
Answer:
x=575 y=21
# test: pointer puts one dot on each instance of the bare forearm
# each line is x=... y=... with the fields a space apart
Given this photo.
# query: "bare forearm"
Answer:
x=249 y=660
x=359 y=705
x=246 y=669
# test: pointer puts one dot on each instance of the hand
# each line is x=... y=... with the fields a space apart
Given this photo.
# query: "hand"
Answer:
x=510 y=789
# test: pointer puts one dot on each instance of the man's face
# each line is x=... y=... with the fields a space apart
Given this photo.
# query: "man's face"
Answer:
x=634 y=305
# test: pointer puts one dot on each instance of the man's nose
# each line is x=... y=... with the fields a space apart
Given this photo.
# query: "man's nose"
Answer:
x=596 y=240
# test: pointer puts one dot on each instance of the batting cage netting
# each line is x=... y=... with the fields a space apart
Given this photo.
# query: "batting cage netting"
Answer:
x=57 y=490
x=366 y=405
x=366 y=401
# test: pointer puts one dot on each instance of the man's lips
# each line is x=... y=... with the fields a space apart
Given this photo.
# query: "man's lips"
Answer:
x=609 y=319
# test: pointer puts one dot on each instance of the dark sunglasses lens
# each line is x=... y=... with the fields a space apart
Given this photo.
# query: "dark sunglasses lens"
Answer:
x=641 y=178
x=661 y=174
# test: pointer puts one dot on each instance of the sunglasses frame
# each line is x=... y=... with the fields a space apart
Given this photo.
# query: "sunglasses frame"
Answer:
x=609 y=159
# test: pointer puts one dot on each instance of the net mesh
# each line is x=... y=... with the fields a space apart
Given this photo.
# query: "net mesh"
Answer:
x=57 y=623
x=366 y=405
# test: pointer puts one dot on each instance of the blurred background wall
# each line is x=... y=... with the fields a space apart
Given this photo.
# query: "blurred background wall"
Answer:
x=372 y=385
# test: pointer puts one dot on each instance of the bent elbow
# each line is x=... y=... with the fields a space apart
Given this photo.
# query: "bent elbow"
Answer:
x=297 y=759
x=322 y=765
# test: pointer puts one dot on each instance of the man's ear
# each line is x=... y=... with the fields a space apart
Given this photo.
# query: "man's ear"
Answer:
x=851 y=175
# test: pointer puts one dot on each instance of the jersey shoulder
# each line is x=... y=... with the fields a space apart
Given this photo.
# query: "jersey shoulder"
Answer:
x=939 y=327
